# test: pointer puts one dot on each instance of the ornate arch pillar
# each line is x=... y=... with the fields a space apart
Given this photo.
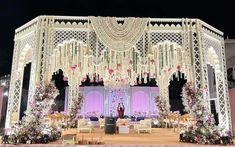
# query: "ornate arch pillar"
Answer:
x=14 y=100
x=224 y=91
x=199 y=66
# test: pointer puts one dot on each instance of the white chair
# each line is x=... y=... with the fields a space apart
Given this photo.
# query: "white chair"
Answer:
x=122 y=122
x=84 y=126
x=101 y=122
x=144 y=126
x=69 y=139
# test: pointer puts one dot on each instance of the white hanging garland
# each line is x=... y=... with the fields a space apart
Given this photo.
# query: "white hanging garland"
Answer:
x=116 y=36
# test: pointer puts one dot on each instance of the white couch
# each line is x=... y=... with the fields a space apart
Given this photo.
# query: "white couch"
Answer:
x=84 y=126
x=144 y=126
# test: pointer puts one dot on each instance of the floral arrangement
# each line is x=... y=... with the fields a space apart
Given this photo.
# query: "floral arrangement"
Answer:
x=75 y=110
x=203 y=130
x=161 y=106
x=32 y=128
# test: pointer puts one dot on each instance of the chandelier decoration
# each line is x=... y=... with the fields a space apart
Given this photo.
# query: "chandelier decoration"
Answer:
x=119 y=36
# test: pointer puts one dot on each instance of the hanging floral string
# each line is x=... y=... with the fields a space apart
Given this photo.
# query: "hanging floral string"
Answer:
x=74 y=111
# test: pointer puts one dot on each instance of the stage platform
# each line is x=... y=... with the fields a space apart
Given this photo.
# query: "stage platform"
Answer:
x=160 y=137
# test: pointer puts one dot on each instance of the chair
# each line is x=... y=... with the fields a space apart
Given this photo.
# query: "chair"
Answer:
x=101 y=122
x=122 y=122
x=84 y=126
x=69 y=139
x=94 y=118
x=144 y=126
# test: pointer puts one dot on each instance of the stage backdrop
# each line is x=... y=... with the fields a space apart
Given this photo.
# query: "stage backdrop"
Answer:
x=138 y=101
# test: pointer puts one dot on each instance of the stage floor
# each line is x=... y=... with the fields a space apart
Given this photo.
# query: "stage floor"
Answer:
x=158 y=136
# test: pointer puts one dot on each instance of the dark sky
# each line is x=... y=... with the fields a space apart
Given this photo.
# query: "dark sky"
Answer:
x=14 y=13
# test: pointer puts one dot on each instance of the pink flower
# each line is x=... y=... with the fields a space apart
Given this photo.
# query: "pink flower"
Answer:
x=110 y=71
x=73 y=67
x=152 y=61
x=178 y=67
x=65 y=78
x=83 y=78
x=128 y=70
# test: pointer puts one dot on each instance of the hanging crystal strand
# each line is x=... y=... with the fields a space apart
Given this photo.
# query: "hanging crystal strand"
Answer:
x=168 y=56
x=77 y=58
x=172 y=57
x=155 y=63
x=111 y=59
x=85 y=66
x=145 y=74
x=75 y=55
x=114 y=64
x=151 y=67
x=137 y=66
x=91 y=67
x=59 y=55
x=68 y=54
x=88 y=65
x=130 y=66
x=66 y=57
x=85 y=63
x=159 y=59
x=122 y=63
x=56 y=58
x=164 y=53
x=105 y=63
x=80 y=58
x=83 y=59
x=73 y=52
x=175 y=54
x=144 y=49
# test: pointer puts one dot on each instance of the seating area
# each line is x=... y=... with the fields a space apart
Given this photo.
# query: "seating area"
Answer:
x=143 y=125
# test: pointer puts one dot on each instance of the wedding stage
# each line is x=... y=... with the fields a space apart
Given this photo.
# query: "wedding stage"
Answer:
x=122 y=54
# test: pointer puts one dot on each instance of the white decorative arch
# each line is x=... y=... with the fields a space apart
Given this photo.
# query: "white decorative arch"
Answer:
x=213 y=60
x=25 y=57
x=171 y=59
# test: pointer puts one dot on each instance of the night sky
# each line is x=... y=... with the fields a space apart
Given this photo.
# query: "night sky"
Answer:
x=14 y=13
